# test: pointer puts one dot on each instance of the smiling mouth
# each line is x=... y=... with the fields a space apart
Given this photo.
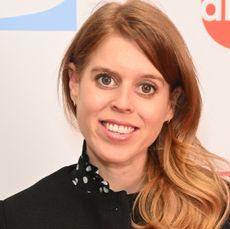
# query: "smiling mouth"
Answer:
x=116 y=128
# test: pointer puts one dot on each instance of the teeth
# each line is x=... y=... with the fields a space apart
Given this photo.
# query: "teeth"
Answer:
x=118 y=128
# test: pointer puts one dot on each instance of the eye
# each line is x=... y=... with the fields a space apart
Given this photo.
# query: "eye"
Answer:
x=146 y=89
x=104 y=79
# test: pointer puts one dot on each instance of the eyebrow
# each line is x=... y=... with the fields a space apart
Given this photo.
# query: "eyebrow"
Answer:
x=102 y=69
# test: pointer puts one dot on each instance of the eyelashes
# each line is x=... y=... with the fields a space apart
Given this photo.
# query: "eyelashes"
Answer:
x=146 y=89
x=107 y=81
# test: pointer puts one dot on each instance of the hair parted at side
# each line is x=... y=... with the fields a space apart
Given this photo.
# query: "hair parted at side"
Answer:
x=184 y=189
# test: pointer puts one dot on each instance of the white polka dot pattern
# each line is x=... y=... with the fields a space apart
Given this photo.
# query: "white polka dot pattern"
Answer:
x=86 y=178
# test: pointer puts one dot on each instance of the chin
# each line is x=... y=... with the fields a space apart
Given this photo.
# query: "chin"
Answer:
x=116 y=154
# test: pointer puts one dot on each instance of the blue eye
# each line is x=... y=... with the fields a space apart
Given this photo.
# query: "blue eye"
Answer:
x=146 y=89
x=104 y=79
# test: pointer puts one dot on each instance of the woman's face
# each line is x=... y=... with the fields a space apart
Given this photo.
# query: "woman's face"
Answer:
x=122 y=102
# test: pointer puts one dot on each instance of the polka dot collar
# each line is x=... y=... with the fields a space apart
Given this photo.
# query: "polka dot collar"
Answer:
x=86 y=176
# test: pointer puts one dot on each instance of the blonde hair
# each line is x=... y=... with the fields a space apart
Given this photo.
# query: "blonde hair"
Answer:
x=184 y=189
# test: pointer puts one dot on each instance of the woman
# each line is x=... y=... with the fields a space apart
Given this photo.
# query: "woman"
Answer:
x=130 y=83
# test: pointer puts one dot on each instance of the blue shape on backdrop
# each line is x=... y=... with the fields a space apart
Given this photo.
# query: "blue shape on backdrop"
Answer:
x=62 y=17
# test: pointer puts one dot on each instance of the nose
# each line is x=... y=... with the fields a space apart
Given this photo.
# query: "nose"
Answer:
x=123 y=101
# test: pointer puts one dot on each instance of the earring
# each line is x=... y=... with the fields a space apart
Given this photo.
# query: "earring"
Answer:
x=75 y=105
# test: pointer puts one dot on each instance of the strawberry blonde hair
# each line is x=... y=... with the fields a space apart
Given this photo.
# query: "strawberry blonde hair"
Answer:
x=183 y=188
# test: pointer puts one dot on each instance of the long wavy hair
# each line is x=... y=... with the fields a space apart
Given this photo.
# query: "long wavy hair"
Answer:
x=183 y=188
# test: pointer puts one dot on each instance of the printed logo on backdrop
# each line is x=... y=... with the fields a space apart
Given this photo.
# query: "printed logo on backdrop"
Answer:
x=60 y=16
x=216 y=19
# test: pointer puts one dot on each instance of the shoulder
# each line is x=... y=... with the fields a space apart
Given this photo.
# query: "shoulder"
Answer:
x=46 y=197
x=2 y=217
x=58 y=180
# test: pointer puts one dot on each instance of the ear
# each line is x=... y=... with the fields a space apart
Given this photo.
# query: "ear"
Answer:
x=173 y=102
x=73 y=82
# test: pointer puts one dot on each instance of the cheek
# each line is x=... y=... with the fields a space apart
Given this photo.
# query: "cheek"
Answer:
x=90 y=101
x=153 y=121
x=155 y=113
x=86 y=115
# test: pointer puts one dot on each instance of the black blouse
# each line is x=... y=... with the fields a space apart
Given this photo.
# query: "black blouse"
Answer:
x=74 y=197
x=86 y=176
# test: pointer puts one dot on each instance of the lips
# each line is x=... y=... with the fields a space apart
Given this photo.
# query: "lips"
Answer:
x=118 y=128
x=121 y=128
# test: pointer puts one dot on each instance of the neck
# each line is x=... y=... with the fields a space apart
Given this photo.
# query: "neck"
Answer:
x=129 y=177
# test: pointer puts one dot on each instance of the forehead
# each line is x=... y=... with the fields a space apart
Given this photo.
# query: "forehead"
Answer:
x=123 y=55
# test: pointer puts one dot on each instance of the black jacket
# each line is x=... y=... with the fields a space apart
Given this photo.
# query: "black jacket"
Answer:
x=54 y=203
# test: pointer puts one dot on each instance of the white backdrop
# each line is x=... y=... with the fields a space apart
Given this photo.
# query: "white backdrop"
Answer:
x=35 y=138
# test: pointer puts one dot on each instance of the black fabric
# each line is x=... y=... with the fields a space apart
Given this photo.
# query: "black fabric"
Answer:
x=2 y=216
x=86 y=177
x=54 y=203
x=75 y=197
